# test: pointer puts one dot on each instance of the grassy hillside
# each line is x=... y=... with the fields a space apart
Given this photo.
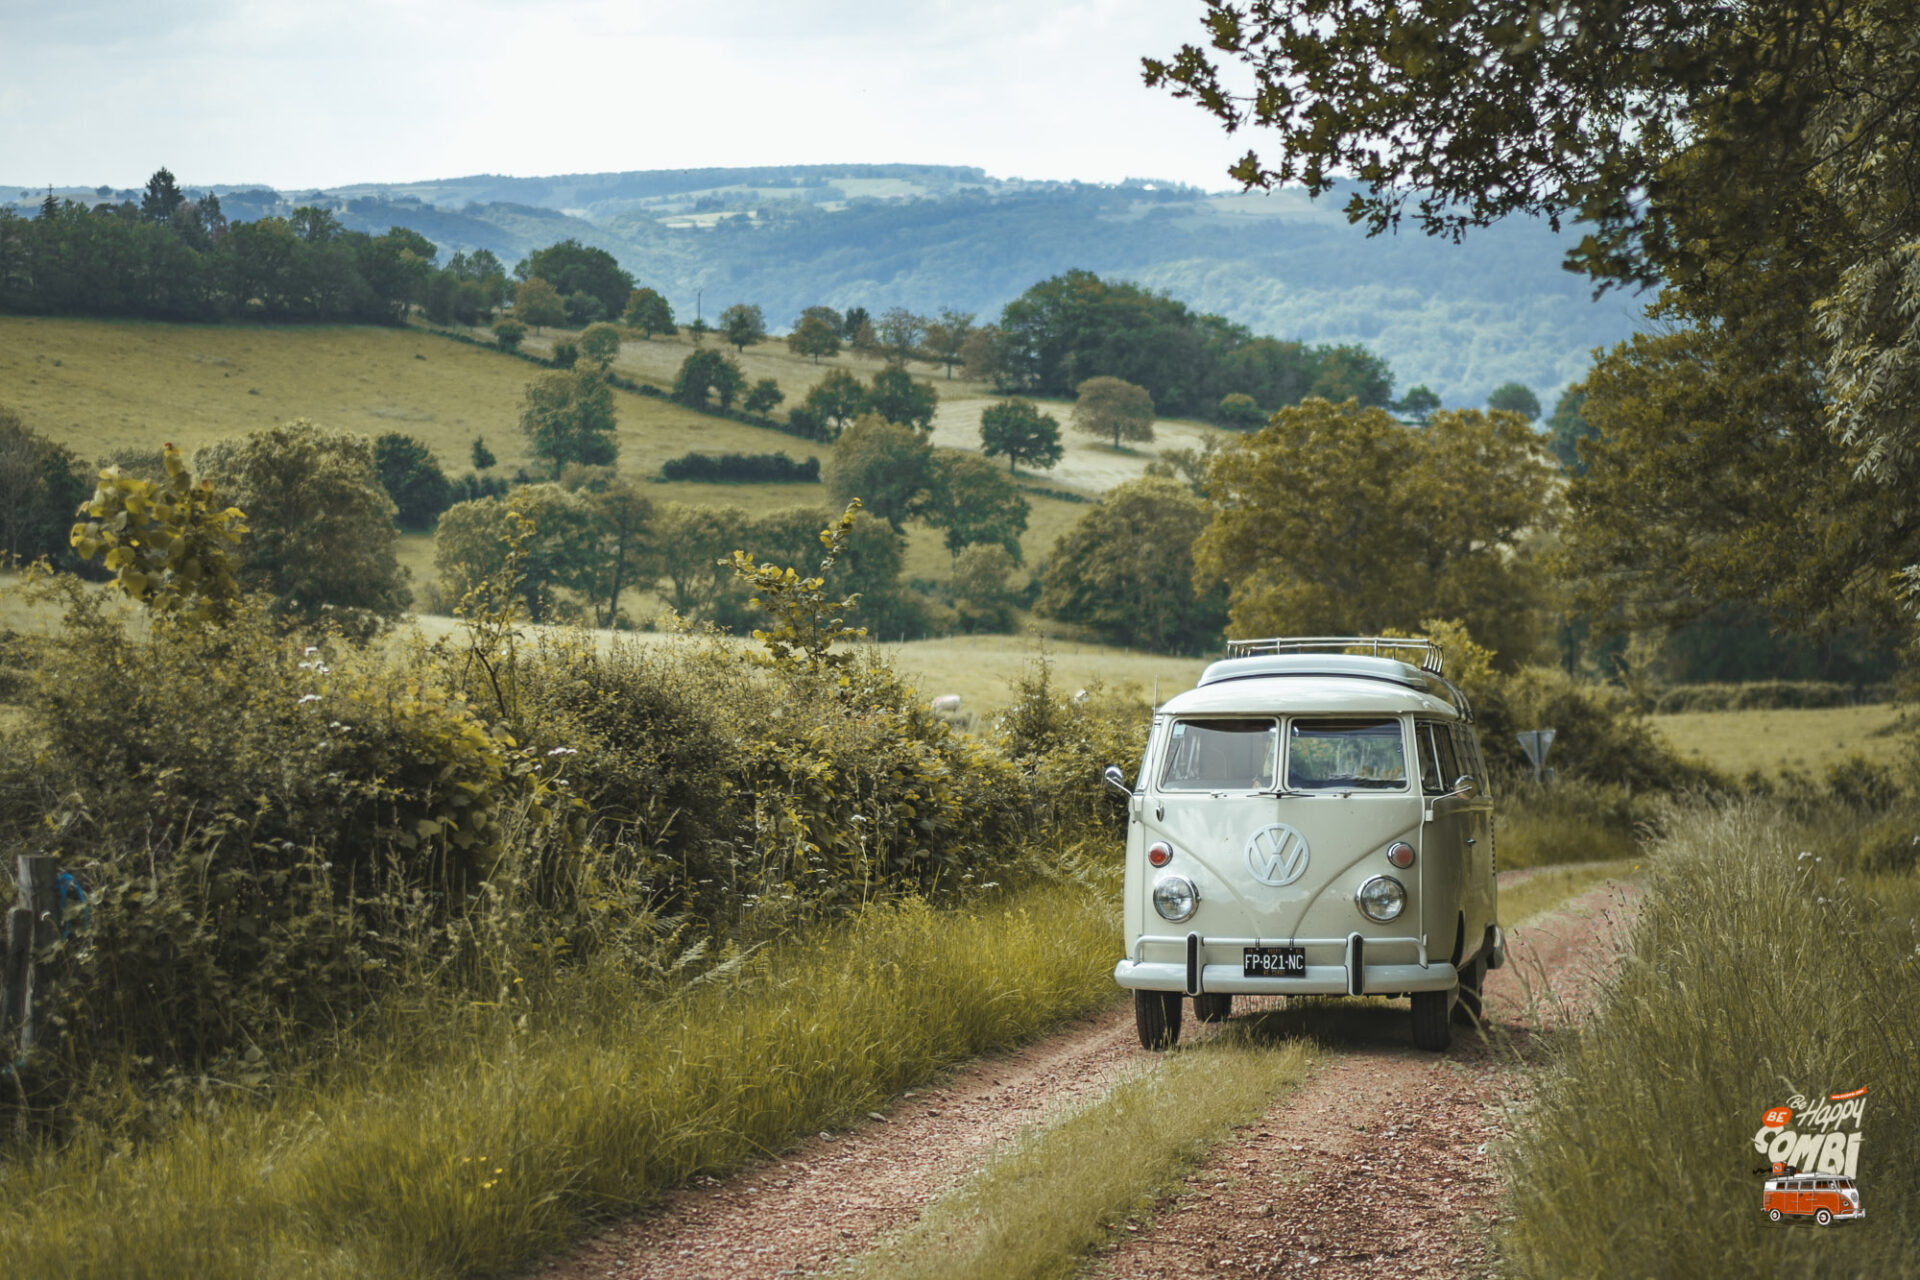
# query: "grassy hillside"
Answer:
x=1089 y=464
x=1808 y=739
x=102 y=386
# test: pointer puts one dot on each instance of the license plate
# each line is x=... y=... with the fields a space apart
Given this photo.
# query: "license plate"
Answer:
x=1274 y=962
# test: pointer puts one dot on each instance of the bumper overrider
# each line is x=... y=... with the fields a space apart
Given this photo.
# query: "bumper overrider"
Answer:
x=1352 y=976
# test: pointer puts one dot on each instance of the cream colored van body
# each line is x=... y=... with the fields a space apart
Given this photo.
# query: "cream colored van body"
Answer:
x=1264 y=828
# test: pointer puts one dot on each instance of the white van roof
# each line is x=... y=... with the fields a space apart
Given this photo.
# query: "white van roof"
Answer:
x=1320 y=683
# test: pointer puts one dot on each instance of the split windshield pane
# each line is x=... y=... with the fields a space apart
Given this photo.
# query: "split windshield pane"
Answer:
x=1346 y=755
x=1221 y=755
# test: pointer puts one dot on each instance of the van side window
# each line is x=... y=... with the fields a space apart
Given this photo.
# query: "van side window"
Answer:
x=1429 y=762
x=1439 y=766
x=1467 y=750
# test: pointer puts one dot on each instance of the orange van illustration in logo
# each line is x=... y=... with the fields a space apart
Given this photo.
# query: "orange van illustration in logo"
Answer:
x=1826 y=1191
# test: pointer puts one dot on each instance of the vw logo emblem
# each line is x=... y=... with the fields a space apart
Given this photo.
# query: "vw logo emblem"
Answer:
x=1277 y=855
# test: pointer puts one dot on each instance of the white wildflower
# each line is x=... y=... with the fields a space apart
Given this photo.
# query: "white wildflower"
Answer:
x=305 y=698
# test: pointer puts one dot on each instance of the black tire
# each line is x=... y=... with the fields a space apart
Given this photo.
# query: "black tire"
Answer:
x=1157 y=1016
x=1824 y=1218
x=1473 y=977
x=1431 y=1027
x=1773 y=1215
x=1213 y=1008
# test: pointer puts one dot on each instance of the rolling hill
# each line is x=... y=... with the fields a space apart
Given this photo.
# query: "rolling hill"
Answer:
x=1460 y=318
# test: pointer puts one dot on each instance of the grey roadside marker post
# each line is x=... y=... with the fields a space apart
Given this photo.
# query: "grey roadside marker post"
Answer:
x=1536 y=743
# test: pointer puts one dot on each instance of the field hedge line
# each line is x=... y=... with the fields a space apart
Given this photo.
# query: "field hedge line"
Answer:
x=1768 y=695
x=276 y=835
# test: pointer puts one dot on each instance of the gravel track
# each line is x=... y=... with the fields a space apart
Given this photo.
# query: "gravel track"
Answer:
x=1377 y=1165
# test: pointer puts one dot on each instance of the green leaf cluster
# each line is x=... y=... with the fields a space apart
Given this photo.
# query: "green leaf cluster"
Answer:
x=165 y=542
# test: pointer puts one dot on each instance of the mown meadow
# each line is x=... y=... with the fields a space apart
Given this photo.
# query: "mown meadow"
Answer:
x=108 y=387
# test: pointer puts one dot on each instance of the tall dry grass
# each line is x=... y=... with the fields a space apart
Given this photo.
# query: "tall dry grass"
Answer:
x=1761 y=964
x=469 y=1145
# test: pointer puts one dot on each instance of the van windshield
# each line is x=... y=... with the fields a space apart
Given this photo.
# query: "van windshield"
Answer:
x=1346 y=755
x=1221 y=755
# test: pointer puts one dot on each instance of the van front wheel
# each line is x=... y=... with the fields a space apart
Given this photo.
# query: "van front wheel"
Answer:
x=1432 y=1029
x=1157 y=1016
x=1773 y=1215
x=1823 y=1218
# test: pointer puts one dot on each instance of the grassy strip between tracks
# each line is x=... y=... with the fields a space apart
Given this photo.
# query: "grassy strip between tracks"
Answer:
x=507 y=1138
x=1062 y=1189
x=1763 y=963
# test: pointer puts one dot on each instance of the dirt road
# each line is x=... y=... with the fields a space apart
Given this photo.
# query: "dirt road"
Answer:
x=1378 y=1164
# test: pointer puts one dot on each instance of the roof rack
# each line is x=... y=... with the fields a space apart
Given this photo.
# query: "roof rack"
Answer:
x=1426 y=654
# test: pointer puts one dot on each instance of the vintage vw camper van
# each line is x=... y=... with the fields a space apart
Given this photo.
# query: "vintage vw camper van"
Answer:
x=1313 y=819
x=1823 y=1197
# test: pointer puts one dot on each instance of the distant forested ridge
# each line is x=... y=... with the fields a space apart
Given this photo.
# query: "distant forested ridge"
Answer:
x=171 y=257
x=1461 y=319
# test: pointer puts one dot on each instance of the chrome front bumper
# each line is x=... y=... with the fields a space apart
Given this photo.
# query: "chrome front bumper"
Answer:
x=1351 y=977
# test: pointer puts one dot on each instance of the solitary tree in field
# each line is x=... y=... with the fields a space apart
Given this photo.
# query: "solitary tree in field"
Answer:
x=1126 y=568
x=900 y=333
x=898 y=398
x=323 y=533
x=1419 y=404
x=1516 y=397
x=162 y=197
x=838 y=399
x=482 y=456
x=568 y=417
x=815 y=337
x=1019 y=430
x=888 y=467
x=707 y=373
x=599 y=344
x=947 y=337
x=974 y=503
x=648 y=312
x=1111 y=406
x=509 y=334
x=765 y=394
x=538 y=303
x=743 y=325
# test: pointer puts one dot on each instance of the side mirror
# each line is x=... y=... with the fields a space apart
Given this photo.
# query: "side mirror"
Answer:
x=1117 y=780
x=1465 y=786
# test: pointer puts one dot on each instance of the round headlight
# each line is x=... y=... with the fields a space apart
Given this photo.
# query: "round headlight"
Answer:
x=1174 y=897
x=1381 y=899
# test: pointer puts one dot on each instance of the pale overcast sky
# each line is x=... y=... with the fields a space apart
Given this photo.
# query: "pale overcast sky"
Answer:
x=313 y=95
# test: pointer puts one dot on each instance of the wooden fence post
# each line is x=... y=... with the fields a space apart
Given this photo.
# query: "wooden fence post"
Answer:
x=40 y=895
x=17 y=937
x=39 y=880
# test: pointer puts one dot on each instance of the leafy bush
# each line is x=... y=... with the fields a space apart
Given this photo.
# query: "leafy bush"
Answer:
x=1062 y=745
x=267 y=834
x=741 y=468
